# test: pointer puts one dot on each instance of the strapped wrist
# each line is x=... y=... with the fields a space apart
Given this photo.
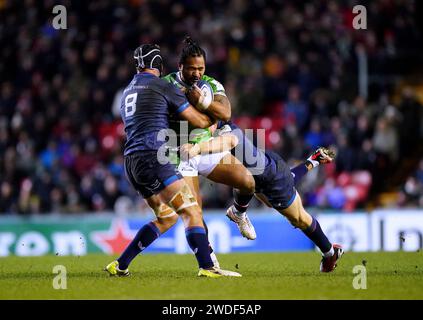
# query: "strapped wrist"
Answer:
x=203 y=103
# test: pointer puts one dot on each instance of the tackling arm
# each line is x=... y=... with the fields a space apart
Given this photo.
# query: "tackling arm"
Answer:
x=219 y=144
x=196 y=118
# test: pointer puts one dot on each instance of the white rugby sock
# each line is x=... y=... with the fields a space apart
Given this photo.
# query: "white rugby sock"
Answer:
x=314 y=163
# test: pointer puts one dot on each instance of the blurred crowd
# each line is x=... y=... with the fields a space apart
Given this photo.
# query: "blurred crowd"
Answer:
x=288 y=67
x=412 y=191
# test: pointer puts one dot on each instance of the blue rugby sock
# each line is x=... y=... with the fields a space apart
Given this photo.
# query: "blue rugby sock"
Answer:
x=241 y=201
x=299 y=172
x=199 y=244
x=144 y=237
x=207 y=234
x=314 y=233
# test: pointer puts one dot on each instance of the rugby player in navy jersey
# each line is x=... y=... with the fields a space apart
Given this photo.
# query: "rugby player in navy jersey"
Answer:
x=146 y=104
x=275 y=183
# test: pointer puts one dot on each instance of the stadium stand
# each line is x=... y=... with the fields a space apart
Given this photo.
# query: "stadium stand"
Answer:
x=291 y=70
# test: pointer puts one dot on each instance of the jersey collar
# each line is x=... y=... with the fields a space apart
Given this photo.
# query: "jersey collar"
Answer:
x=144 y=74
x=179 y=79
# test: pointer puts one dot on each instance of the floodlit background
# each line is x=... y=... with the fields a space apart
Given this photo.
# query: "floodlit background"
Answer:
x=297 y=69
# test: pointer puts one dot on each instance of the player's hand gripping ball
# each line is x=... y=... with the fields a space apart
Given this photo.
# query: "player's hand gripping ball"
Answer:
x=200 y=95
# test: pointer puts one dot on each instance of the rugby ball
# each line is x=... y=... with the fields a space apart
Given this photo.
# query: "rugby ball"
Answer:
x=206 y=91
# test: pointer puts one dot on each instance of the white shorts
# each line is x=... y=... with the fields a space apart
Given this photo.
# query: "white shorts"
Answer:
x=201 y=164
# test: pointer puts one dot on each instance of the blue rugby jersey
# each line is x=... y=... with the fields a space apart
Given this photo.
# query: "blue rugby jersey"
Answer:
x=254 y=159
x=146 y=104
x=271 y=173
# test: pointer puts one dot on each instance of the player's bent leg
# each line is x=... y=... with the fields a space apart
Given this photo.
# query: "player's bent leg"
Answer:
x=184 y=203
x=144 y=237
x=230 y=171
x=198 y=242
x=180 y=198
x=193 y=183
x=165 y=219
x=301 y=219
x=189 y=170
x=296 y=214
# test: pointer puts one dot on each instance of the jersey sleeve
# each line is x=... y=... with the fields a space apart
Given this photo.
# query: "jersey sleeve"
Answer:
x=176 y=99
x=216 y=86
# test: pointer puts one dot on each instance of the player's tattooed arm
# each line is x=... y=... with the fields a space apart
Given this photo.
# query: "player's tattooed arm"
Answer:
x=220 y=108
x=219 y=144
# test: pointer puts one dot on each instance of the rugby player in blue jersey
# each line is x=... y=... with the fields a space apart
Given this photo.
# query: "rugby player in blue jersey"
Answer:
x=146 y=105
x=275 y=183
x=221 y=166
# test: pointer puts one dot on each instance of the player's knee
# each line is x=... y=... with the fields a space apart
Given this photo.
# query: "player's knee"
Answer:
x=163 y=212
x=249 y=184
x=183 y=201
x=302 y=223
x=167 y=222
x=293 y=216
x=299 y=221
x=305 y=219
x=192 y=216
x=295 y=221
x=154 y=203
x=191 y=212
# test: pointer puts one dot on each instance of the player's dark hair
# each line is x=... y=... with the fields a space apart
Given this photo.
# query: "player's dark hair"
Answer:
x=191 y=49
x=148 y=56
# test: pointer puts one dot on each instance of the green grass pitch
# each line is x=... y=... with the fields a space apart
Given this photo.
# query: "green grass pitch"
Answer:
x=270 y=276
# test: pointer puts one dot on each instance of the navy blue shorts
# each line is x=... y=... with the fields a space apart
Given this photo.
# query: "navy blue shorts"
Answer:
x=277 y=183
x=147 y=175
